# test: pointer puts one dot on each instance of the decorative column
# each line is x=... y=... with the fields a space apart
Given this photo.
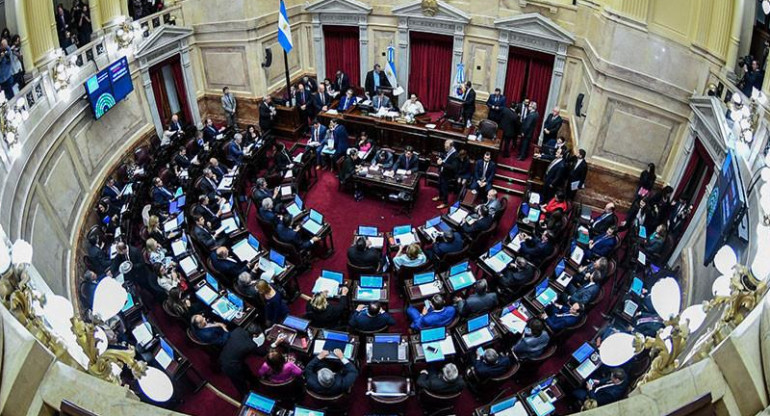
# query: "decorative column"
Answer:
x=189 y=84
x=635 y=9
x=363 y=51
x=318 y=47
x=556 y=77
x=457 y=55
x=735 y=36
x=719 y=29
x=147 y=84
x=96 y=16
x=503 y=51
x=111 y=12
x=41 y=30
x=402 y=38
x=21 y=27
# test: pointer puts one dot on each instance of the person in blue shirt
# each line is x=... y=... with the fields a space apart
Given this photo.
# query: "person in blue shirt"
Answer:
x=370 y=318
x=234 y=150
x=433 y=316
x=160 y=195
x=6 y=69
x=533 y=342
x=448 y=242
x=346 y=102
x=587 y=293
x=536 y=251
x=559 y=317
x=214 y=333
x=383 y=159
x=603 y=245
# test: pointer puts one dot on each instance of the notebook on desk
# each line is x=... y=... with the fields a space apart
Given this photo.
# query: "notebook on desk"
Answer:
x=508 y=407
x=245 y=251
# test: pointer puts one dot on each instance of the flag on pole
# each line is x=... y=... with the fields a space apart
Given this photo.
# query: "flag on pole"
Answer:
x=390 y=69
x=284 y=29
x=460 y=78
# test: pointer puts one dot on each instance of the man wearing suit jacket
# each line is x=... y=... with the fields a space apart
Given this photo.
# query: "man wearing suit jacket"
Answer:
x=534 y=341
x=303 y=102
x=288 y=235
x=555 y=174
x=214 y=333
x=97 y=256
x=204 y=236
x=112 y=192
x=605 y=220
x=480 y=301
x=321 y=100
x=320 y=379
x=341 y=81
x=380 y=101
x=433 y=316
x=229 y=105
x=310 y=84
x=602 y=245
x=181 y=159
x=447 y=382
x=214 y=166
x=267 y=212
x=408 y=161
x=384 y=159
x=362 y=255
x=370 y=318
x=490 y=363
x=510 y=122
x=203 y=210
x=266 y=114
x=493 y=204
x=208 y=184
x=559 y=317
x=606 y=390
x=226 y=265
x=588 y=292
x=496 y=104
x=317 y=140
x=537 y=250
x=175 y=124
x=477 y=222
x=469 y=103
x=374 y=80
x=577 y=174
x=528 y=124
x=234 y=150
x=160 y=194
x=483 y=173
x=448 y=242
x=346 y=102
x=210 y=132
x=341 y=137
x=448 y=165
x=552 y=125
x=517 y=273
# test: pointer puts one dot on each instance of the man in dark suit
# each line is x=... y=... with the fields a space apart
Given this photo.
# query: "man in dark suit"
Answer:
x=112 y=192
x=477 y=222
x=202 y=209
x=537 y=250
x=348 y=168
x=341 y=81
x=97 y=256
x=228 y=266
x=534 y=341
x=214 y=333
x=267 y=212
x=88 y=288
x=481 y=301
x=216 y=168
x=517 y=273
x=260 y=191
x=303 y=102
x=528 y=124
x=363 y=256
x=588 y=292
x=602 y=245
x=310 y=84
x=321 y=100
x=559 y=317
x=160 y=194
x=447 y=242
x=374 y=80
x=347 y=102
x=510 y=122
x=408 y=161
x=448 y=166
x=605 y=220
x=469 y=103
x=552 y=125
x=320 y=379
x=577 y=174
x=370 y=318
x=490 y=363
x=317 y=140
x=446 y=382
x=175 y=124
x=181 y=159
x=496 y=104
x=139 y=274
x=341 y=138
x=286 y=234
x=234 y=150
x=606 y=390
x=380 y=100
x=267 y=114
x=210 y=132
x=204 y=236
x=554 y=175
x=483 y=173
x=208 y=184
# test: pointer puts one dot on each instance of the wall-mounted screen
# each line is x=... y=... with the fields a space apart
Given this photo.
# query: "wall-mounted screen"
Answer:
x=108 y=87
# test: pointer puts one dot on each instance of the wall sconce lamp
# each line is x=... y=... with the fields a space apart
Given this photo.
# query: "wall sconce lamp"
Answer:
x=11 y=117
x=125 y=34
x=63 y=71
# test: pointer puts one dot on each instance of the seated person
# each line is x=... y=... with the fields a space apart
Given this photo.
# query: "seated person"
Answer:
x=537 y=250
x=409 y=256
x=383 y=159
x=517 y=273
x=288 y=235
x=370 y=318
x=203 y=210
x=247 y=285
x=380 y=101
x=156 y=253
x=325 y=314
x=317 y=138
x=349 y=165
x=655 y=243
x=490 y=363
x=276 y=308
x=267 y=212
x=603 y=245
x=208 y=184
x=445 y=382
x=168 y=277
x=210 y=131
x=347 y=102
x=533 y=342
x=282 y=158
x=464 y=170
x=477 y=222
x=112 y=192
x=448 y=242
x=214 y=333
x=322 y=380
x=87 y=288
x=203 y=234
x=279 y=367
x=97 y=255
x=229 y=267
x=365 y=143
x=260 y=191
x=478 y=302
x=604 y=391
x=216 y=168
x=433 y=316
x=493 y=203
x=559 y=317
x=557 y=203
x=605 y=220
x=483 y=173
x=586 y=293
x=601 y=265
x=408 y=161
x=182 y=306
x=160 y=194
x=234 y=151
x=362 y=255
x=552 y=223
x=548 y=151
x=413 y=106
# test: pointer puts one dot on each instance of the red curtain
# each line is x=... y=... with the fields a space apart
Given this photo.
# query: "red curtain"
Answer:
x=430 y=68
x=181 y=90
x=538 y=85
x=699 y=156
x=515 y=77
x=156 y=78
x=342 y=52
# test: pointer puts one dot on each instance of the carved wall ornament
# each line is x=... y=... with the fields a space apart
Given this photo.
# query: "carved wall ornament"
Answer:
x=430 y=7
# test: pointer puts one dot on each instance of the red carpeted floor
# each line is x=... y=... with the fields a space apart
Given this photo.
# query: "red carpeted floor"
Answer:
x=345 y=214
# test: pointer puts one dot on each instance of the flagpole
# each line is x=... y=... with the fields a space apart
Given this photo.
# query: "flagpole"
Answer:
x=286 y=68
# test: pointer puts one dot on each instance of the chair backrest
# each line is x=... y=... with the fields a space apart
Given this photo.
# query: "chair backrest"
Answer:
x=196 y=340
x=451 y=258
x=441 y=397
x=325 y=399
x=488 y=128
x=288 y=249
x=548 y=352
x=142 y=156
x=481 y=241
x=169 y=312
x=356 y=271
x=503 y=206
x=406 y=272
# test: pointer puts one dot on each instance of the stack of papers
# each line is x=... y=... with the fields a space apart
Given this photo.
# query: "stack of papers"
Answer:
x=429 y=289
x=459 y=215
x=376 y=242
x=330 y=286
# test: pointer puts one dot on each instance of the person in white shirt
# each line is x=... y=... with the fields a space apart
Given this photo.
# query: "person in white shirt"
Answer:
x=413 y=106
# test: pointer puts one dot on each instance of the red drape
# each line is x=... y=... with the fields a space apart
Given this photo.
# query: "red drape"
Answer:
x=181 y=90
x=538 y=85
x=156 y=78
x=342 y=52
x=430 y=68
x=699 y=154
x=515 y=77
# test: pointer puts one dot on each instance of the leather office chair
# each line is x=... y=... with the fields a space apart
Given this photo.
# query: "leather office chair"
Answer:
x=334 y=404
x=431 y=401
x=355 y=271
x=481 y=242
x=488 y=129
x=547 y=353
x=191 y=336
x=500 y=212
x=389 y=390
x=570 y=329
x=171 y=313
x=599 y=297
x=452 y=258
x=287 y=389
x=405 y=273
x=142 y=156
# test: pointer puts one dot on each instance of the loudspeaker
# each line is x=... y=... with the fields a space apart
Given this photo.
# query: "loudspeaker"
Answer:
x=268 y=58
x=579 y=105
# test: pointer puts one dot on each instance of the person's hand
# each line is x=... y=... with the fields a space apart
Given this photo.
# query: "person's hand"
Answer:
x=281 y=338
x=338 y=353
x=315 y=239
x=345 y=291
x=440 y=161
x=591 y=244
x=424 y=310
x=457 y=299
x=543 y=316
x=323 y=354
x=359 y=308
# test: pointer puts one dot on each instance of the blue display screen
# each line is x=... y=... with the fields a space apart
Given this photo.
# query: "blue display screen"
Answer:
x=108 y=87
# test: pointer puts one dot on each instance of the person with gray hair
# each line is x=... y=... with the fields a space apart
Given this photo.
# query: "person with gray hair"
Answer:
x=260 y=191
x=445 y=382
x=319 y=378
x=490 y=363
x=247 y=285
x=267 y=212
x=267 y=114
x=234 y=151
x=482 y=300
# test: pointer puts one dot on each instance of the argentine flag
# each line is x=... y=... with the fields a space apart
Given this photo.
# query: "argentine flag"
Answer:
x=284 y=30
x=460 y=78
x=390 y=69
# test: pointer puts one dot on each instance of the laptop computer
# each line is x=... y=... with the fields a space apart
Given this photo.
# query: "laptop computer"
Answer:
x=547 y=297
x=636 y=286
x=533 y=215
x=245 y=250
x=508 y=407
x=432 y=340
x=582 y=353
x=630 y=307
x=328 y=274
x=642 y=231
x=295 y=208
x=423 y=278
x=478 y=322
x=296 y=323
x=368 y=231
x=206 y=294
x=388 y=348
x=212 y=281
x=335 y=340
x=301 y=411
x=277 y=258
x=165 y=354
x=314 y=222
x=497 y=259
x=560 y=266
x=462 y=280
x=458 y=268
x=478 y=331
x=374 y=282
x=402 y=229
x=432 y=335
x=541 y=287
x=259 y=402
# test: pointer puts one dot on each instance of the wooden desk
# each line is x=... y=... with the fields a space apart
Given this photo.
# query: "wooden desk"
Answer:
x=246 y=316
x=370 y=345
x=302 y=343
x=320 y=340
x=384 y=293
x=246 y=410
x=370 y=179
x=288 y=122
x=486 y=409
x=414 y=295
x=461 y=330
x=419 y=355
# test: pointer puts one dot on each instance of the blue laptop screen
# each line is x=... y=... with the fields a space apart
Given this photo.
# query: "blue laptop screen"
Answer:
x=335 y=336
x=541 y=287
x=559 y=268
x=277 y=258
x=432 y=222
x=301 y=411
x=367 y=231
x=393 y=339
x=254 y=242
x=478 y=322
x=167 y=348
x=424 y=278
x=514 y=231
x=316 y=216
x=583 y=352
x=212 y=281
x=371 y=281
x=261 y=403
x=430 y=335
x=173 y=208
x=402 y=229
x=181 y=200
x=495 y=249
x=332 y=275
x=298 y=201
x=636 y=286
x=503 y=405
x=235 y=299
x=296 y=323
x=458 y=268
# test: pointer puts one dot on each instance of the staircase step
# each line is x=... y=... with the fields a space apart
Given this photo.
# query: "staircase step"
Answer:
x=508 y=190
x=513 y=168
x=509 y=179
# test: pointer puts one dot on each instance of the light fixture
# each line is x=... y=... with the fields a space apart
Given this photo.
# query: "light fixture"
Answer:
x=766 y=6
x=666 y=297
x=101 y=340
x=109 y=298
x=62 y=72
x=11 y=117
x=124 y=36
x=721 y=286
x=725 y=260
x=21 y=253
x=58 y=311
x=156 y=385
x=618 y=349
x=695 y=315
x=746 y=117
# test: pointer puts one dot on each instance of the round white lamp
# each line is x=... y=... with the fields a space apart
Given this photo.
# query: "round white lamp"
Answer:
x=101 y=340
x=617 y=349
x=725 y=260
x=57 y=309
x=156 y=385
x=766 y=6
x=666 y=297
x=721 y=286
x=109 y=298
x=695 y=315
x=21 y=253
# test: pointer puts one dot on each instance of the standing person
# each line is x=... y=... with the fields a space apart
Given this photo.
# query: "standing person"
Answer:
x=496 y=104
x=229 y=105
x=448 y=165
x=510 y=122
x=646 y=181
x=84 y=25
x=17 y=61
x=551 y=126
x=374 y=80
x=469 y=103
x=63 y=20
x=267 y=113
x=528 y=124
x=6 y=69
x=577 y=174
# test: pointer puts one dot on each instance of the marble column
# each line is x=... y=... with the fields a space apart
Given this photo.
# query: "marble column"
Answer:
x=556 y=77
x=503 y=49
x=189 y=85
x=111 y=12
x=635 y=9
x=21 y=29
x=41 y=30
x=402 y=53
x=96 y=16
x=318 y=47
x=457 y=57
x=363 y=52
x=735 y=36
x=147 y=84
